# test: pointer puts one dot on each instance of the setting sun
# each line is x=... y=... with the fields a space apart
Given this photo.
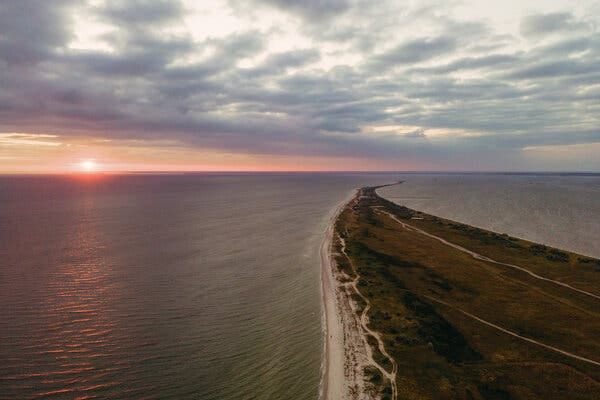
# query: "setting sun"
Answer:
x=88 y=165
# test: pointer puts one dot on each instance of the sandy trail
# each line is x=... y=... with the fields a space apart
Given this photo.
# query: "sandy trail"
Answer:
x=364 y=320
x=346 y=349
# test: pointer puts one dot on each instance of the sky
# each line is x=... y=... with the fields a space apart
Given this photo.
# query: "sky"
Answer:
x=247 y=85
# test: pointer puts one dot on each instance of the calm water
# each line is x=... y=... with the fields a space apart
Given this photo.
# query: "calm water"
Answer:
x=190 y=286
x=558 y=210
x=207 y=286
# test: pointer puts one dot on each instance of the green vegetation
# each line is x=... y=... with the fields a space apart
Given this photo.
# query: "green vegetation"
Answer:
x=424 y=296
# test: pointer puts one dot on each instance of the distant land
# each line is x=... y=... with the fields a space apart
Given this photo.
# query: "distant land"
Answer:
x=435 y=309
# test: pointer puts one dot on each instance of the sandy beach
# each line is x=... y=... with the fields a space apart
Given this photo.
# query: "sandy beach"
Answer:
x=346 y=351
x=333 y=381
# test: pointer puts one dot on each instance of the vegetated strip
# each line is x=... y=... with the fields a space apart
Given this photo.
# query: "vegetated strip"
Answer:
x=483 y=321
x=364 y=320
x=484 y=258
x=399 y=265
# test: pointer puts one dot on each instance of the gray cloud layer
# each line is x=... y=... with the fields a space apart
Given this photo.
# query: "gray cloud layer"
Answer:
x=496 y=94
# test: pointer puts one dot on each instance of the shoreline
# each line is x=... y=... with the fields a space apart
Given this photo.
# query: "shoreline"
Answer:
x=332 y=365
x=346 y=350
x=333 y=352
x=344 y=347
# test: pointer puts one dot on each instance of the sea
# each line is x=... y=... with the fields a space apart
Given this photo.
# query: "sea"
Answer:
x=559 y=210
x=207 y=286
x=196 y=286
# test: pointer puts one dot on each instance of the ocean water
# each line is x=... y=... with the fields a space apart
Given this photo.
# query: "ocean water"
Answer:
x=169 y=286
x=558 y=210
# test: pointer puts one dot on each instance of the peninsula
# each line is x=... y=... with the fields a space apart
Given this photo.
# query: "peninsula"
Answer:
x=420 y=307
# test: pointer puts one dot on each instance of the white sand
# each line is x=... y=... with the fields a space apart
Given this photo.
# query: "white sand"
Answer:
x=346 y=350
x=333 y=381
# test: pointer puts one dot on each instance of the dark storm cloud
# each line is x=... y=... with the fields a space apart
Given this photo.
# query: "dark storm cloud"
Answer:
x=152 y=85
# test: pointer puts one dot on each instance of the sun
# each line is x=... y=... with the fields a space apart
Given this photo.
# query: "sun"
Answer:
x=88 y=166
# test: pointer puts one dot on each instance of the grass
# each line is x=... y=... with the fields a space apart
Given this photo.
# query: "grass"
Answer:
x=417 y=286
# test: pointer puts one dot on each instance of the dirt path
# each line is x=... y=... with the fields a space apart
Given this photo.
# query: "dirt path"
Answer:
x=364 y=321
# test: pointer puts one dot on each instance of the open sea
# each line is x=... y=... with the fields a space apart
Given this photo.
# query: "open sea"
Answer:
x=200 y=286
x=207 y=286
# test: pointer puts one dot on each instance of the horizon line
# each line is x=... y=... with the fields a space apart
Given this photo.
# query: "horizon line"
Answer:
x=190 y=172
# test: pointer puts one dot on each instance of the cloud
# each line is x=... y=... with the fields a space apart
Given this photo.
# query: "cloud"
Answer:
x=414 y=51
x=416 y=134
x=312 y=9
x=309 y=86
x=545 y=24
x=493 y=61
x=141 y=12
x=554 y=69
x=32 y=30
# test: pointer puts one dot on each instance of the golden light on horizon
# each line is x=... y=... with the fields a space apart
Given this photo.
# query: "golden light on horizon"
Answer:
x=88 y=166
